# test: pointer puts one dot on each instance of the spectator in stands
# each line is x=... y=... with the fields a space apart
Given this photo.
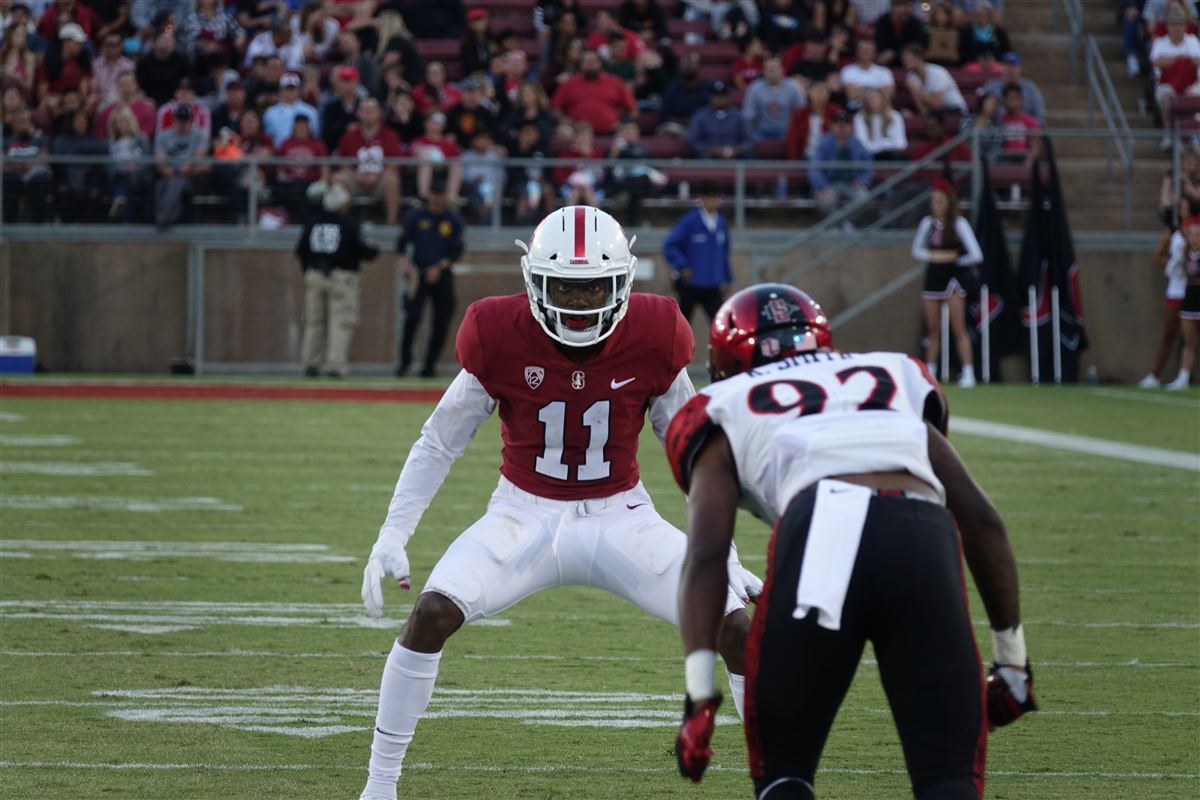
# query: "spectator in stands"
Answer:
x=105 y=70
x=829 y=15
x=841 y=185
x=812 y=61
x=161 y=70
x=896 y=31
x=593 y=96
x=809 y=125
x=477 y=46
x=655 y=69
x=65 y=12
x=1031 y=96
x=255 y=15
x=67 y=67
x=233 y=174
x=604 y=25
x=320 y=28
x=554 y=29
x=78 y=185
x=770 y=101
x=782 y=24
x=440 y=151
x=697 y=249
x=292 y=180
x=1175 y=58
x=131 y=97
x=580 y=184
x=747 y=67
x=1131 y=35
x=229 y=113
x=185 y=95
x=128 y=170
x=865 y=74
x=403 y=117
x=632 y=183
x=932 y=87
x=341 y=109
x=482 y=175
x=209 y=16
x=434 y=93
x=945 y=38
x=880 y=128
x=531 y=106
x=178 y=152
x=687 y=94
x=470 y=115
x=371 y=142
x=936 y=135
x=717 y=130
x=642 y=15
x=28 y=179
x=619 y=63
x=987 y=120
x=983 y=35
x=947 y=245
x=566 y=62
x=514 y=72
x=1189 y=187
x=434 y=19
x=278 y=41
x=348 y=52
x=17 y=61
x=1022 y=140
x=730 y=19
x=277 y=120
x=527 y=184
x=436 y=236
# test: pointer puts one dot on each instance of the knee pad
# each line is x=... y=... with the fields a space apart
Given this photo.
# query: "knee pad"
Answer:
x=784 y=789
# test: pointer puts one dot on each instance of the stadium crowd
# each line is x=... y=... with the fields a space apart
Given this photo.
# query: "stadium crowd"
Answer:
x=203 y=87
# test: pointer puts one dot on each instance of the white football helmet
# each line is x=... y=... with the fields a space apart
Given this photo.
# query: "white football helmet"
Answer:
x=578 y=243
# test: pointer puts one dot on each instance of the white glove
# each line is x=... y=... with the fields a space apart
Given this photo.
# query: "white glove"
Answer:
x=744 y=583
x=387 y=558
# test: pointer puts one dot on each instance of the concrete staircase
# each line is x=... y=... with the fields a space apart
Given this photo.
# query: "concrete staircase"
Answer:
x=1095 y=198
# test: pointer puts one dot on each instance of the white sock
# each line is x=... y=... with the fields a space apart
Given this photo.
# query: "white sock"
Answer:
x=1184 y=376
x=932 y=367
x=737 y=690
x=968 y=370
x=404 y=694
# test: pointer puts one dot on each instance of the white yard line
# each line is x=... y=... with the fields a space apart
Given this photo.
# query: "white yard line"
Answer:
x=108 y=550
x=8 y=416
x=38 y=441
x=39 y=502
x=1077 y=444
x=1146 y=397
x=74 y=469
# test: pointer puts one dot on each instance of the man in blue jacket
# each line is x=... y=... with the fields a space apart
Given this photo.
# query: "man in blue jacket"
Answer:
x=838 y=185
x=697 y=249
x=718 y=131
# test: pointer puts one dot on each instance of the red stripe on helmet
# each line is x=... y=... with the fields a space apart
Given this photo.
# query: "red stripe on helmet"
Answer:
x=580 y=240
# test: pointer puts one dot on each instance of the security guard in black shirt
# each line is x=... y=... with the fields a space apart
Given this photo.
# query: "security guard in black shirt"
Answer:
x=436 y=236
x=330 y=250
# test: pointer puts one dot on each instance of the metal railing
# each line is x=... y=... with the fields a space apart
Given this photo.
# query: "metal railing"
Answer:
x=1072 y=11
x=1103 y=96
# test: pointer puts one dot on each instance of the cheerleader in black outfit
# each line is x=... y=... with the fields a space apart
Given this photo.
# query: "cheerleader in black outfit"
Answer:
x=1189 y=312
x=946 y=243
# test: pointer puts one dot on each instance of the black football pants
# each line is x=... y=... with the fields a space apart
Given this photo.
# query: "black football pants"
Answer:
x=906 y=595
x=441 y=294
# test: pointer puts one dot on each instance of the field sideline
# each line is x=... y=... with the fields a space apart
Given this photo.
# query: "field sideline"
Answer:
x=179 y=611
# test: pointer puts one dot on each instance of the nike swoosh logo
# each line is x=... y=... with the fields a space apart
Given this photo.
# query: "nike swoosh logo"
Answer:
x=633 y=506
x=616 y=384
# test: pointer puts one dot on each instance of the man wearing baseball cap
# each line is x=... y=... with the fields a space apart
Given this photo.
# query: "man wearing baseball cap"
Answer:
x=341 y=110
x=278 y=120
x=1010 y=75
x=718 y=130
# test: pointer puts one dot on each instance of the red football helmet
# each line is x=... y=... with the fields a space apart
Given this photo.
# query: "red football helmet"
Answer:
x=764 y=323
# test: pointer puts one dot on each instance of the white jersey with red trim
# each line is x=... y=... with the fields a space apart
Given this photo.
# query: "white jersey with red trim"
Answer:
x=795 y=421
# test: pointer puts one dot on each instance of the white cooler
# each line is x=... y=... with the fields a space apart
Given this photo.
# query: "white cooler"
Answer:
x=17 y=354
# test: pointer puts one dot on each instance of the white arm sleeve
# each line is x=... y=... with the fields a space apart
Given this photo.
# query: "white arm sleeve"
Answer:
x=919 y=251
x=1174 y=268
x=967 y=236
x=444 y=436
x=663 y=407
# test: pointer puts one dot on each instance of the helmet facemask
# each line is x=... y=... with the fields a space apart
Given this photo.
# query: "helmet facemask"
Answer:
x=578 y=311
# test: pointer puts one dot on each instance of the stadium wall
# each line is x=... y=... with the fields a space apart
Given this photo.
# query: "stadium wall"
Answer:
x=124 y=307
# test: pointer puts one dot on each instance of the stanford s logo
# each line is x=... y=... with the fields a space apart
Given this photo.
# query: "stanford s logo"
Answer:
x=577 y=379
x=534 y=376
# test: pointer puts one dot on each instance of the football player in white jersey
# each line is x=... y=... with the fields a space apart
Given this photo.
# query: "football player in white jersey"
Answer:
x=845 y=454
x=575 y=364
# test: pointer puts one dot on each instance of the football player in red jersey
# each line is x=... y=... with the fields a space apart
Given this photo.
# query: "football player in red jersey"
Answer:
x=845 y=454
x=574 y=381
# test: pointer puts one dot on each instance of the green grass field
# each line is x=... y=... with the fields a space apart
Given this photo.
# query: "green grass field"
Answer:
x=226 y=655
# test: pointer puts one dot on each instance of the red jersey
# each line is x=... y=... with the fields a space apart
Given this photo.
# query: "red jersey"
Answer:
x=370 y=150
x=304 y=151
x=1018 y=128
x=599 y=102
x=445 y=145
x=570 y=431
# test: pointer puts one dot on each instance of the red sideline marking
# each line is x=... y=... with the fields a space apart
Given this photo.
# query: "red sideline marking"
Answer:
x=217 y=391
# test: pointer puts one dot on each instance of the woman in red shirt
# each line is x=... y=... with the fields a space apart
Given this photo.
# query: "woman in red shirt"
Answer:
x=434 y=94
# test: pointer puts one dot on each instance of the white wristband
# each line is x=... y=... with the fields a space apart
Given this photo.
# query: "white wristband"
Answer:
x=698 y=674
x=1008 y=646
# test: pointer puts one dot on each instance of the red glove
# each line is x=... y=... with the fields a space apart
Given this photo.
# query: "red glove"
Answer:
x=1009 y=694
x=692 y=750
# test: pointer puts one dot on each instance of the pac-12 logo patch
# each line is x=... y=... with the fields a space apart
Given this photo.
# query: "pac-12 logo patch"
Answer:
x=534 y=376
x=577 y=379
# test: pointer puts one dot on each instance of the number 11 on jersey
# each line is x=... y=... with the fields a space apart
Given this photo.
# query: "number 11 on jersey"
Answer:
x=553 y=417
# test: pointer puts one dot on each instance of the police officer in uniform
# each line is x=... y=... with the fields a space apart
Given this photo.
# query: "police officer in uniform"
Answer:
x=436 y=236
x=330 y=250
